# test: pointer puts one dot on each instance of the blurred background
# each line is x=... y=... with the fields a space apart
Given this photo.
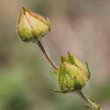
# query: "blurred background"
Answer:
x=81 y=27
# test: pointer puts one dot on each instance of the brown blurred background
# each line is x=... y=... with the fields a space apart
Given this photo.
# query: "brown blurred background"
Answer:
x=81 y=27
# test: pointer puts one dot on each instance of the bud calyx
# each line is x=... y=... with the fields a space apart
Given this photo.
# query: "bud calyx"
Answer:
x=32 y=26
x=72 y=74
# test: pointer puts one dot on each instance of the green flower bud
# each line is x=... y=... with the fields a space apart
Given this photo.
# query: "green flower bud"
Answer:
x=32 y=26
x=72 y=74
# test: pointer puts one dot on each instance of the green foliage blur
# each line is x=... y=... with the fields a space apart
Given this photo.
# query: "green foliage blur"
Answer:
x=78 y=26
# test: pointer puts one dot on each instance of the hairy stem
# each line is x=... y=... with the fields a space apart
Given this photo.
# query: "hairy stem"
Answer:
x=91 y=104
x=46 y=55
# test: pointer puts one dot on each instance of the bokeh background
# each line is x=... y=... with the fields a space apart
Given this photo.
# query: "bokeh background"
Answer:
x=81 y=27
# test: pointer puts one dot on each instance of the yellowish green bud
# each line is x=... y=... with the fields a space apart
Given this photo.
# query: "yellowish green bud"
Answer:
x=32 y=26
x=72 y=74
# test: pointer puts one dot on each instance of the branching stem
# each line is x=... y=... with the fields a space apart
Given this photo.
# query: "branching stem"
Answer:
x=91 y=104
x=46 y=55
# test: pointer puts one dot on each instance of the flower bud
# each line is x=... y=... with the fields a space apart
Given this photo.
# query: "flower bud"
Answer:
x=72 y=74
x=32 y=26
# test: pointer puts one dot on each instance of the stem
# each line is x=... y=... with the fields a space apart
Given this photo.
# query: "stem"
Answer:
x=46 y=55
x=91 y=104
